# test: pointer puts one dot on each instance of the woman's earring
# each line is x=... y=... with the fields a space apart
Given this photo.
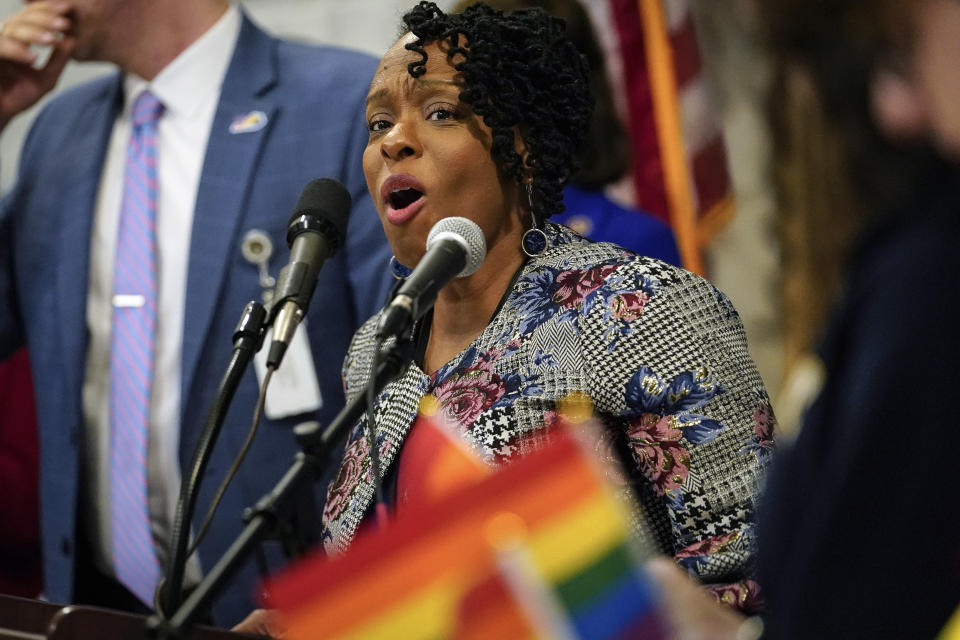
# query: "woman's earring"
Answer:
x=534 y=239
x=399 y=271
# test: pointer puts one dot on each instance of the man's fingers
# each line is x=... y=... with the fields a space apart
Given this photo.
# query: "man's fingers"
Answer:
x=44 y=8
x=27 y=33
x=37 y=23
x=46 y=18
x=15 y=50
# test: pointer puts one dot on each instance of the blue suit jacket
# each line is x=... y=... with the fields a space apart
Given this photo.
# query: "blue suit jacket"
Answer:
x=313 y=98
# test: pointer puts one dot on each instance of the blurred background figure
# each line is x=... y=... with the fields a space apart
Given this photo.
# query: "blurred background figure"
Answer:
x=858 y=535
x=605 y=157
x=857 y=540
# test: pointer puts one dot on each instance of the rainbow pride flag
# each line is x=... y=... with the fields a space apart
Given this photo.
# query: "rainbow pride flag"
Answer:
x=541 y=548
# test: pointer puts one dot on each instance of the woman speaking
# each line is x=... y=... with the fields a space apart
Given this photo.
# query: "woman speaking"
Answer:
x=479 y=115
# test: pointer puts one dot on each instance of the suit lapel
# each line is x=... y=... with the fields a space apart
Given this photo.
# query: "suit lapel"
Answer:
x=225 y=182
x=78 y=206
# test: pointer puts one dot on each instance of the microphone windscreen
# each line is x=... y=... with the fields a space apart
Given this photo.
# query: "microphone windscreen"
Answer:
x=324 y=206
x=472 y=235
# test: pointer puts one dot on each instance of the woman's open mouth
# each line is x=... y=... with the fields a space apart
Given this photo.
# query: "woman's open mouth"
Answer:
x=404 y=196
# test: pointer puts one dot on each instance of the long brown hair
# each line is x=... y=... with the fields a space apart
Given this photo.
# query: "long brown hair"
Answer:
x=834 y=171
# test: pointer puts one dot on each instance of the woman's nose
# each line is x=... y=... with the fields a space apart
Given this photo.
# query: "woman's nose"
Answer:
x=400 y=142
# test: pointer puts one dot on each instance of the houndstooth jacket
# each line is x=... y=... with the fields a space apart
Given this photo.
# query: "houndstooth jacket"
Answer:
x=663 y=356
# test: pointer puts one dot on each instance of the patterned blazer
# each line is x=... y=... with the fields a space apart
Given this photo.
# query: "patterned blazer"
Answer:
x=663 y=356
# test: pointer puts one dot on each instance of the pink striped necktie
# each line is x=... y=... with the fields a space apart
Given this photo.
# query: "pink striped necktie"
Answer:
x=131 y=356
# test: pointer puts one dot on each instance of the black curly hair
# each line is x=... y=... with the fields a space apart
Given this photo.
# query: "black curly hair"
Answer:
x=521 y=72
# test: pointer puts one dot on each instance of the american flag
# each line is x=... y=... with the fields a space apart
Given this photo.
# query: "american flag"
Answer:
x=680 y=163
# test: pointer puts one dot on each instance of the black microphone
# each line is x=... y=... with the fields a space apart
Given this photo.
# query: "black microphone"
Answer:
x=316 y=230
x=455 y=249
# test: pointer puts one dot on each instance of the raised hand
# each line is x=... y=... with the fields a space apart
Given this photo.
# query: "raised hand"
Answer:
x=42 y=23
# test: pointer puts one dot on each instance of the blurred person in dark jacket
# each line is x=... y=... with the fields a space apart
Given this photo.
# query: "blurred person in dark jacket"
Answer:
x=858 y=536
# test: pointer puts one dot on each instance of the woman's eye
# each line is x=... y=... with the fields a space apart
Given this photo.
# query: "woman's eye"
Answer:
x=378 y=125
x=441 y=113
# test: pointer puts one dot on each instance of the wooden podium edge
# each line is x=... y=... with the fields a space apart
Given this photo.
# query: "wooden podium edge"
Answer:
x=27 y=619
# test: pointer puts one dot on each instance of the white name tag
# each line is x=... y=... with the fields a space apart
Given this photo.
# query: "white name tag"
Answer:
x=294 y=388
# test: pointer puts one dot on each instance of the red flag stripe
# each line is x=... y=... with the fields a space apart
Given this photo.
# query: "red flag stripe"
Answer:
x=648 y=167
x=710 y=175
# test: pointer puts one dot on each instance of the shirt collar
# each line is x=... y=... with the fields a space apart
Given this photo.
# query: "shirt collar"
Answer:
x=196 y=74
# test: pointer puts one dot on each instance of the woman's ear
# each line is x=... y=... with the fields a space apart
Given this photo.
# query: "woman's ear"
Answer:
x=897 y=105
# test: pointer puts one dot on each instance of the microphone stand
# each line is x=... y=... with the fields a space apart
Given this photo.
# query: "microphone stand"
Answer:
x=247 y=339
x=273 y=509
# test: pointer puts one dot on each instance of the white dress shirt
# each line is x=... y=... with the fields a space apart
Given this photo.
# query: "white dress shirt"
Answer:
x=189 y=88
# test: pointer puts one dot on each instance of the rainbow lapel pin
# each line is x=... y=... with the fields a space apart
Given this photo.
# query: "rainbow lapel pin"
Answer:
x=248 y=123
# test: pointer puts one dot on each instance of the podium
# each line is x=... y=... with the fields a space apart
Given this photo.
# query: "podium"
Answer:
x=25 y=619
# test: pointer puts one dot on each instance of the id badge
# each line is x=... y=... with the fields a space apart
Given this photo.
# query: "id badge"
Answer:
x=294 y=388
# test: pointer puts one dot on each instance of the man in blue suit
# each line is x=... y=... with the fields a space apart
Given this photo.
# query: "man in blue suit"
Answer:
x=246 y=121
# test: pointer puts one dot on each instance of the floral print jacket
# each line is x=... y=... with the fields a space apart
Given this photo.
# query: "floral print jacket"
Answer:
x=663 y=356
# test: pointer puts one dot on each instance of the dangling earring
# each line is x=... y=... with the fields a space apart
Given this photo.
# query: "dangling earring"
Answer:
x=399 y=271
x=534 y=239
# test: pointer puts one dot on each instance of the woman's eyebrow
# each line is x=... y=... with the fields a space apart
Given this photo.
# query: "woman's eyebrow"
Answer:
x=438 y=82
x=377 y=95
x=419 y=86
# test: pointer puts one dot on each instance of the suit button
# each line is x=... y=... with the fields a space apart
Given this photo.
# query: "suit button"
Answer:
x=65 y=546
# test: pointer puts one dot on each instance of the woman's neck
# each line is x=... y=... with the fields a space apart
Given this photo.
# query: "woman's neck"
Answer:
x=464 y=307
